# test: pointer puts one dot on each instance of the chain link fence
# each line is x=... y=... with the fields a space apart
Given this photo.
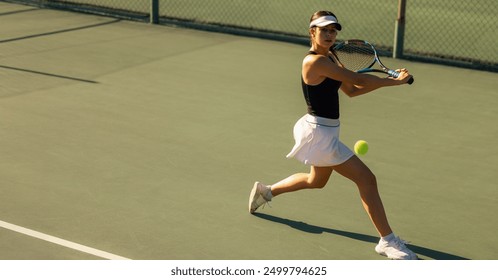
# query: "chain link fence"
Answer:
x=455 y=32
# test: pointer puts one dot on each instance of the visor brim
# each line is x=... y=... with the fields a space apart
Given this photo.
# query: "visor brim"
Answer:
x=325 y=23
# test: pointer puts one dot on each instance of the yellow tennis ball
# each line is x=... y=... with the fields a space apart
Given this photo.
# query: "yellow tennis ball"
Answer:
x=361 y=147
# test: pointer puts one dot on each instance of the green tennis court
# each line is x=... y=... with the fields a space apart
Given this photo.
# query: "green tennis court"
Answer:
x=144 y=141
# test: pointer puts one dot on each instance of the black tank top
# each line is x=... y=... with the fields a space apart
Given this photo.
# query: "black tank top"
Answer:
x=322 y=99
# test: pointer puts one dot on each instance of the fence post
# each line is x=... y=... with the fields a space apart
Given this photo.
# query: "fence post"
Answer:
x=154 y=11
x=399 y=30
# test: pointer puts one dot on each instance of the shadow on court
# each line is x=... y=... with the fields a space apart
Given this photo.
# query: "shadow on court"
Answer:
x=302 y=226
x=59 y=31
x=143 y=140
x=48 y=74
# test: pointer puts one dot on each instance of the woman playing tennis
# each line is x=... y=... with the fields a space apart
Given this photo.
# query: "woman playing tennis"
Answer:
x=317 y=133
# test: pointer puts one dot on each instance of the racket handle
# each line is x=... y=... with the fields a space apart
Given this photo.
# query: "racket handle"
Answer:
x=395 y=74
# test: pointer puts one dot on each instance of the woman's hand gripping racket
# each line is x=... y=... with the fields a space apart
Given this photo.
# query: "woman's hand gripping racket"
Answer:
x=360 y=56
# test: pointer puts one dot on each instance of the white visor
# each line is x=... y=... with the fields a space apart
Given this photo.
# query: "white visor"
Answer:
x=324 y=21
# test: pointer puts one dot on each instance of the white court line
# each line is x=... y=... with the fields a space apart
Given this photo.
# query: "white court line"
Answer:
x=61 y=242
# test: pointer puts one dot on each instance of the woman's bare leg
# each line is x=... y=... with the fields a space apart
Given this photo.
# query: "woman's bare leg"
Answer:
x=355 y=170
x=317 y=178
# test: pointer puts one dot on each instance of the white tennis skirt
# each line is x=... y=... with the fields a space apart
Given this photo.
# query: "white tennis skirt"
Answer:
x=317 y=142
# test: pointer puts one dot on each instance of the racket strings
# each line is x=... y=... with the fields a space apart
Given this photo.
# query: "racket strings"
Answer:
x=356 y=57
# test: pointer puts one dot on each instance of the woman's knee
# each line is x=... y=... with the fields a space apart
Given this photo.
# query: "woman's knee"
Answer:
x=318 y=177
x=371 y=180
x=368 y=182
x=317 y=183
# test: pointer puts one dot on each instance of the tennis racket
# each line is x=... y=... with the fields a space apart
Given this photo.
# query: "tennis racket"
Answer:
x=360 y=56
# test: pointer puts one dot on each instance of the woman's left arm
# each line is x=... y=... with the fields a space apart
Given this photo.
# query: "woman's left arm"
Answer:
x=355 y=90
x=352 y=90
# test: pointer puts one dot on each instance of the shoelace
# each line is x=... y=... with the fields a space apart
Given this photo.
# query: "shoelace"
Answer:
x=400 y=243
x=261 y=201
x=266 y=203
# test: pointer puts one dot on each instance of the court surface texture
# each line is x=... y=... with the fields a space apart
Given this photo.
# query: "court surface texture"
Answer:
x=123 y=139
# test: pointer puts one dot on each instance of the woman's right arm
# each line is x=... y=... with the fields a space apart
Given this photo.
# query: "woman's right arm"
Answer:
x=354 y=83
x=353 y=90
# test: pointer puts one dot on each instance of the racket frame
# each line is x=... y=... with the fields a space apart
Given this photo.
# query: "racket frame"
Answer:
x=384 y=69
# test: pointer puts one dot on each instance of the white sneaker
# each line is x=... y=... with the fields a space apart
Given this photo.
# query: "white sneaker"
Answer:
x=258 y=196
x=395 y=250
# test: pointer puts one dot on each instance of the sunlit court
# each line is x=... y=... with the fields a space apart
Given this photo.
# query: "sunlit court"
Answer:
x=129 y=135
